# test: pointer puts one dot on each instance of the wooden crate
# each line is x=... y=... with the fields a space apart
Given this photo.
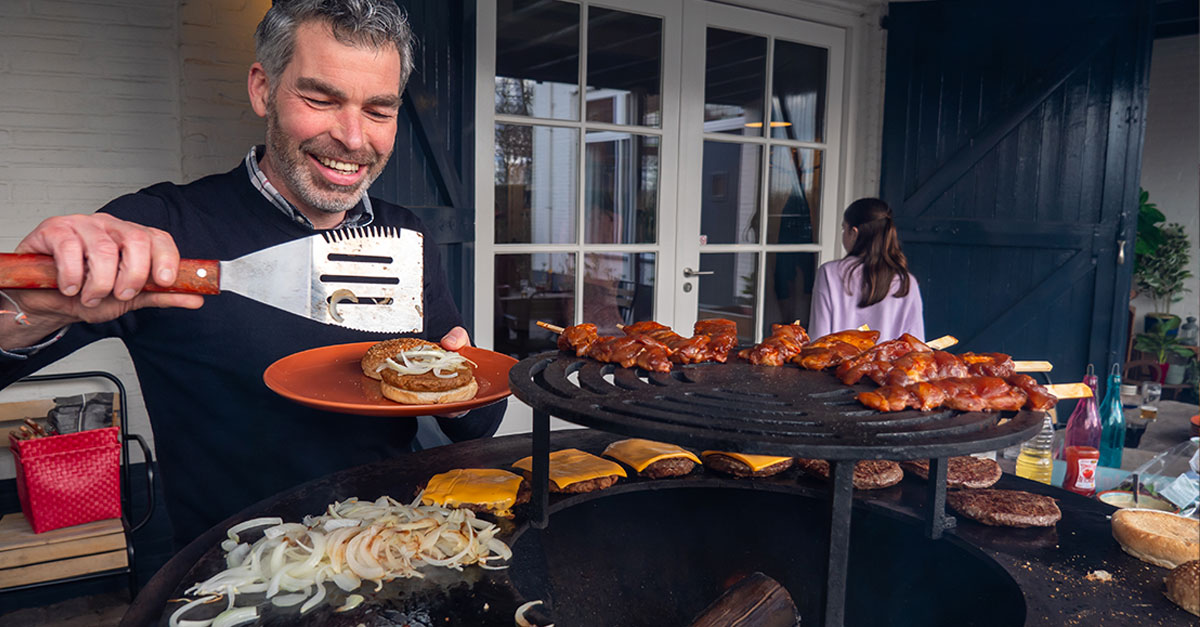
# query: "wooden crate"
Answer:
x=27 y=557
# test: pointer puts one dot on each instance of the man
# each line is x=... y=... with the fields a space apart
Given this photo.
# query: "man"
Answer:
x=328 y=80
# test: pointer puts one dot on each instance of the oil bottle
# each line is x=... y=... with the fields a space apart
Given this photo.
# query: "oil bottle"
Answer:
x=1035 y=462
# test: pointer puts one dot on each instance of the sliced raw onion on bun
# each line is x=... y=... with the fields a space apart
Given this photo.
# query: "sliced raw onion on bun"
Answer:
x=417 y=372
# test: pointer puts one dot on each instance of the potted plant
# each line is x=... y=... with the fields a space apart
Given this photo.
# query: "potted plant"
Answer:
x=1161 y=264
x=1160 y=345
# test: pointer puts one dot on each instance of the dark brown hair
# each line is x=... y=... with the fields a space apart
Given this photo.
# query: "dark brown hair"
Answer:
x=877 y=249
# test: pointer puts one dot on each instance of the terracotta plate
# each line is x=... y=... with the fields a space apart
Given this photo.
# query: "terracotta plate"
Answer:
x=330 y=378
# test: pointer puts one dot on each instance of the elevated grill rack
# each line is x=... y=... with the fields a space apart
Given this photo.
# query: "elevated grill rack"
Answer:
x=740 y=407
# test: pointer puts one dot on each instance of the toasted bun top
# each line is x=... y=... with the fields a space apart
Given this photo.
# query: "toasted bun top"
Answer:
x=1157 y=537
x=381 y=351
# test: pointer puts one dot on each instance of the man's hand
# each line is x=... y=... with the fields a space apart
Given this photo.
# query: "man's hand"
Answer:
x=455 y=339
x=102 y=264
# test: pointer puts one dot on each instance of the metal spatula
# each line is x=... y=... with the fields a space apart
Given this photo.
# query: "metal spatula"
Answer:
x=368 y=279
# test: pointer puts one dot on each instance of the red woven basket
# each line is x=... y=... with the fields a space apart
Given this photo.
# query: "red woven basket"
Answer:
x=65 y=480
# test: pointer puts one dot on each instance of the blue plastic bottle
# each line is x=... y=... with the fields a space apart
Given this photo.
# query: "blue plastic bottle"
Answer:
x=1112 y=420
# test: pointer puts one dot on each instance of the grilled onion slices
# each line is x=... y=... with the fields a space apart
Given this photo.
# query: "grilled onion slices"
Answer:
x=416 y=372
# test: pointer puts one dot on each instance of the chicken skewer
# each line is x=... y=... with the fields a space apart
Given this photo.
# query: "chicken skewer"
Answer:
x=714 y=338
x=1012 y=393
x=852 y=370
x=785 y=342
x=627 y=351
x=831 y=350
x=712 y=341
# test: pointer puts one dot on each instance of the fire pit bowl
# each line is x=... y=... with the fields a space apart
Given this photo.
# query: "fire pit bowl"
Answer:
x=659 y=556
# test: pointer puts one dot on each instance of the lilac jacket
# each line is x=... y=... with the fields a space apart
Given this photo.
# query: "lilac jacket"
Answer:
x=835 y=308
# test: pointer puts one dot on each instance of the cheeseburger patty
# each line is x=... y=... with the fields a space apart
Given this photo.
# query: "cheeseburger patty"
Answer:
x=738 y=468
x=670 y=467
x=961 y=472
x=523 y=494
x=579 y=487
x=1005 y=508
x=869 y=474
x=427 y=382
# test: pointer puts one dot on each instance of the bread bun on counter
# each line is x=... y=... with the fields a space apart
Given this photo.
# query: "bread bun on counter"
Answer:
x=1157 y=537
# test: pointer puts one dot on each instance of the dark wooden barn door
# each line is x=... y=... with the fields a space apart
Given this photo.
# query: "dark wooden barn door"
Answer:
x=1011 y=155
x=431 y=168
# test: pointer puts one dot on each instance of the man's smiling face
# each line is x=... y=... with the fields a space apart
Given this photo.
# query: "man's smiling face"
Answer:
x=331 y=121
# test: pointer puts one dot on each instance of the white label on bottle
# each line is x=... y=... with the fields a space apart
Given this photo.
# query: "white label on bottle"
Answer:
x=1086 y=480
x=1182 y=491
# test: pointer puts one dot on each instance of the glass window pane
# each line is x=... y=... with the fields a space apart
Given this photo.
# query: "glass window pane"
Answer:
x=798 y=96
x=537 y=58
x=788 y=287
x=618 y=288
x=529 y=288
x=729 y=292
x=536 y=176
x=729 y=195
x=735 y=78
x=794 y=195
x=621 y=189
x=624 y=68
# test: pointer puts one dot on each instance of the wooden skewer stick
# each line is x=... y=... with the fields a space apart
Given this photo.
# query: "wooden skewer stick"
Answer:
x=1033 y=366
x=550 y=327
x=1070 y=390
x=946 y=341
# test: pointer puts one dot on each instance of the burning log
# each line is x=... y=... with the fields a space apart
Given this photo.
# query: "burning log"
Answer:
x=755 y=601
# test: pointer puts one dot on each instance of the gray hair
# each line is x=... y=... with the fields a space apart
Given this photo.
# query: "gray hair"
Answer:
x=366 y=23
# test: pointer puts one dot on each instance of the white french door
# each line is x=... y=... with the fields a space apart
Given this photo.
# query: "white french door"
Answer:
x=577 y=177
x=621 y=143
x=761 y=120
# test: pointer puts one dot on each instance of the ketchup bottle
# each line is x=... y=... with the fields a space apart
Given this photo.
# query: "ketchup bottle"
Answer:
x=1081 y=470
x=1083 y=428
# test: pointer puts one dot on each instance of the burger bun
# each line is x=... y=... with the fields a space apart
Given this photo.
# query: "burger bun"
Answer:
x=410 y=397
x=378 y=354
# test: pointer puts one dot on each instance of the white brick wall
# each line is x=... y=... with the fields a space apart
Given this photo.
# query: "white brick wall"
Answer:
x=216 y=49
x=1171 y=154
x=103 y=97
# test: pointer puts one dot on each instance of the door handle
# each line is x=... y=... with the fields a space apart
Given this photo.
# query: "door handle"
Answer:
x=690 y=273
x=1120 y=252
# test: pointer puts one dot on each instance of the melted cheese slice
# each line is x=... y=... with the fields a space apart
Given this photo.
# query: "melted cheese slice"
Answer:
x=755 y=462
x=572 y=465
x=490 y=487
x=640 y=453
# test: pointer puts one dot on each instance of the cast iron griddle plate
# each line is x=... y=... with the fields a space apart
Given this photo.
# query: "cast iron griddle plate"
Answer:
x=740 y=407
x=703 y=518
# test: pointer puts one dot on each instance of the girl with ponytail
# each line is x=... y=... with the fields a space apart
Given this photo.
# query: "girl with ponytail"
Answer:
x=871 y=285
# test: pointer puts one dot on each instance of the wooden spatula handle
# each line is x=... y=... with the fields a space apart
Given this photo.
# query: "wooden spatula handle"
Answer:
x=196 y=276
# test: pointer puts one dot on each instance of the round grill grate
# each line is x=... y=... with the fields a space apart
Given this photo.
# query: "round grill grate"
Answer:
x=740 y=407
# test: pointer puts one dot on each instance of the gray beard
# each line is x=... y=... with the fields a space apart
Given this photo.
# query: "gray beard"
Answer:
x=291 y=164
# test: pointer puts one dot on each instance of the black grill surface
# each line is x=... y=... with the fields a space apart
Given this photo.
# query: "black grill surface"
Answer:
x=740 y=407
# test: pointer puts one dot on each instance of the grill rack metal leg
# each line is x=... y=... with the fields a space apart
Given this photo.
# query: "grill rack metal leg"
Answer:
x=938 y=522
x=540 y=496
x=842 y=473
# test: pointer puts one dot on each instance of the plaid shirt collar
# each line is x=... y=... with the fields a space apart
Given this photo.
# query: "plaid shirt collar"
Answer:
x=358 y=215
